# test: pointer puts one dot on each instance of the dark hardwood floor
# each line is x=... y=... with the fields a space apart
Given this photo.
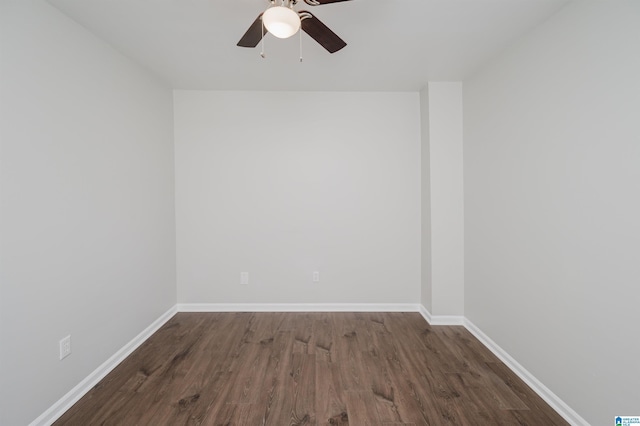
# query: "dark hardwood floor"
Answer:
x=310 y=369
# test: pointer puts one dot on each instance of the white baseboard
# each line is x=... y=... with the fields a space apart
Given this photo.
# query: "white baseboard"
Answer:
x=425 y=314
x=59 y=408
x=440 y=319
x=545 y=393
x=447 y=320
x=298 y=307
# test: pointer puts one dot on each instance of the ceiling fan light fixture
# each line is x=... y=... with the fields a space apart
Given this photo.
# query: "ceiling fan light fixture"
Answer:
x=281 y=21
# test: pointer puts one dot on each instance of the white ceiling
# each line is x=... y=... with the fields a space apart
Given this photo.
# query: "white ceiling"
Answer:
x=392 y=45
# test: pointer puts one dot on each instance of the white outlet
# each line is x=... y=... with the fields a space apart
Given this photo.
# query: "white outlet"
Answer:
x=65 y=347
x=316 y=276
x=244 y=278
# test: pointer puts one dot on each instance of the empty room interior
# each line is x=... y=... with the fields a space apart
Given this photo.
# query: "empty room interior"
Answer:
x=457 y=168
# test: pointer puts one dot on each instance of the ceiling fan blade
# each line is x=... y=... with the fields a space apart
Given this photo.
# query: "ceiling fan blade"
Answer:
x=253 y=35
x=321 y=33
x=321 y=2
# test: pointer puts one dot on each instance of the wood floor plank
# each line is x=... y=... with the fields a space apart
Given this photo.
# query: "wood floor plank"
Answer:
x=359 y=410
x=413 y=407
x=235 y=414
x=346 y=351
x=210 y=377
x=343 y=368
x=323 y=337
x=384 y=394
x=303 y=333
x=249 y=371
x=331 y=408
x=276 y=399
x=303 y=375
x=421 y=377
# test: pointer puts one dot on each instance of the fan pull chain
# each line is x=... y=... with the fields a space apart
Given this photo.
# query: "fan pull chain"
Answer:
x=300 y=32
x=262 y=40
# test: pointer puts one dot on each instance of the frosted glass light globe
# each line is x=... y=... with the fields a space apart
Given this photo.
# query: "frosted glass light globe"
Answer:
x=281 y=21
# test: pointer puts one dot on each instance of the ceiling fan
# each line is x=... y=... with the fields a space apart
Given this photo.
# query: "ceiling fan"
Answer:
x=283 y=21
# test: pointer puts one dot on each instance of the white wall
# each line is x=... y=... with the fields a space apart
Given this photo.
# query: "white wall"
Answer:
x=283 y=184
x=87 y=205
x=552 y=178
x=443 y=217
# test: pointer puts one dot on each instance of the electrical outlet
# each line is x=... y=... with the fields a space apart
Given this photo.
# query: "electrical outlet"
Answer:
x=316 y=276
x=65 y=347
x=244 y=278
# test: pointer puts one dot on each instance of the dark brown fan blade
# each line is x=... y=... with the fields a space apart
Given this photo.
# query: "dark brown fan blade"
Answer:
x=321 y=2
x=321 y=33
x=253 y=35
